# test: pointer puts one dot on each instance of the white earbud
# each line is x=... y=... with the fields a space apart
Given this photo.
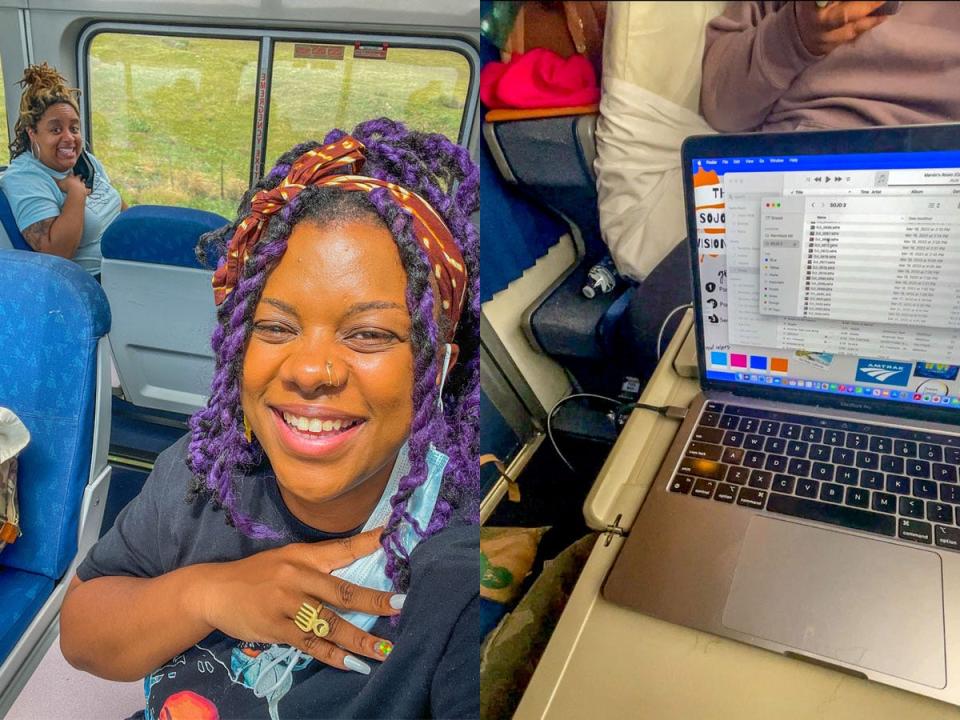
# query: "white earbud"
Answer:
x=443 y=373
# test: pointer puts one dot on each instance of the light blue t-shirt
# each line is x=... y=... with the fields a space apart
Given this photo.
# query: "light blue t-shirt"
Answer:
x=31 y=188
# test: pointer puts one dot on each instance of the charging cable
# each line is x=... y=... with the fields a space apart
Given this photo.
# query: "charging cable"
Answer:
x=672 y=412
x=663 y=326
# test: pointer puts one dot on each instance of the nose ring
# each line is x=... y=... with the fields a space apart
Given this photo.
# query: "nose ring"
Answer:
x=332 y=379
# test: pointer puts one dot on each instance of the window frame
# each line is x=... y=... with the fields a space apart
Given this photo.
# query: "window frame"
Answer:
x=5 y=125
x=267 y=38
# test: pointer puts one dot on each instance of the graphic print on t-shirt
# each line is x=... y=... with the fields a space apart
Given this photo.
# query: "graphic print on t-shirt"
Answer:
x=229 y=673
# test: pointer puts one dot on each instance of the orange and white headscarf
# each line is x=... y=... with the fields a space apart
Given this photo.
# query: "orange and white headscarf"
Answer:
x=337 y=165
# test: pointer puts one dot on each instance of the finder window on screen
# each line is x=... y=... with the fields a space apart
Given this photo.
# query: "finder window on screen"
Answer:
x=872 y=259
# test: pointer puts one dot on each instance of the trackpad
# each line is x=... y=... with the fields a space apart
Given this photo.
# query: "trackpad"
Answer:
x=870 y=603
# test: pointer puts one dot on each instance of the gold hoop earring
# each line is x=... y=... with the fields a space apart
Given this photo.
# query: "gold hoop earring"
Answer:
x=247 y=430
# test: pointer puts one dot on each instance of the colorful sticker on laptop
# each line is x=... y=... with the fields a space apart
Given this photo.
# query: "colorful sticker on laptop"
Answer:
x=883 y=372
x=710 y=211
x=933 y=387
x=817 y=359
x=938 y=371
x=779 y=365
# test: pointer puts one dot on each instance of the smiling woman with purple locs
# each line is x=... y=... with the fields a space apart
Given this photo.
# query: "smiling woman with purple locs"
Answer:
x=310 y=549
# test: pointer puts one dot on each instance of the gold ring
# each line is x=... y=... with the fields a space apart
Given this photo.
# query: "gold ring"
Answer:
x=308 y=620
x=330 y=381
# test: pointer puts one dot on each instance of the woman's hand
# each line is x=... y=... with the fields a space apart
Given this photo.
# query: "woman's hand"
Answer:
x=822 y=30
x=72 y=185
x=256 y=599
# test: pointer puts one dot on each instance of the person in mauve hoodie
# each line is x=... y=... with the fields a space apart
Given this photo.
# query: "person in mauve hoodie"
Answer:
x=776 y=66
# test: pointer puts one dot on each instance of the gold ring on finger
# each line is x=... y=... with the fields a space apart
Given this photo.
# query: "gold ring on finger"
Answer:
x=308 y=620
x=321 y=628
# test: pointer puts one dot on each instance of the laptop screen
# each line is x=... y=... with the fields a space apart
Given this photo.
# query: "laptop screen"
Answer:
x=831 y=273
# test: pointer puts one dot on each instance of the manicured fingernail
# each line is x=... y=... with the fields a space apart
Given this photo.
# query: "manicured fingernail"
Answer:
x=356 y=664
x=396 y=601
x=384 y=647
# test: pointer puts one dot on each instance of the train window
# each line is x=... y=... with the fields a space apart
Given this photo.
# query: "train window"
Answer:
x=187 y=116
x=318 y=86
x=172 y=117
x=3 y=116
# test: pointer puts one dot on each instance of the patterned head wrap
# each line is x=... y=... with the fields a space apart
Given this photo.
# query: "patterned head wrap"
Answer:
x=337 y=164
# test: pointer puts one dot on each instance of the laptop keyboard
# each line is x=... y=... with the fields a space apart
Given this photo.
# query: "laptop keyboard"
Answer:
x=889 y=481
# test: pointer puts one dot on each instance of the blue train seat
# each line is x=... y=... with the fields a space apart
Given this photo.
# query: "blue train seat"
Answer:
x=602 y=339
x=563 y=323
x=10 y=225
x=162 y=303
x=55 y=375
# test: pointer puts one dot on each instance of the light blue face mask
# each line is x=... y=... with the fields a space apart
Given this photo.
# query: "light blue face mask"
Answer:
x=370 y=570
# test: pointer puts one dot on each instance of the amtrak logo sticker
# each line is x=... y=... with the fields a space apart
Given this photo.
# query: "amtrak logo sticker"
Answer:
x=884 y=372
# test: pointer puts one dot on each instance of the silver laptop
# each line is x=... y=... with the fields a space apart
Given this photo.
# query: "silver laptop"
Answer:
x=810 y=503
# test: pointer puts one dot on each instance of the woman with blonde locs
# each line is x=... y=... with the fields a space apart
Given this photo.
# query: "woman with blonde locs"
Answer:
x=310 y=548
x=60 y=195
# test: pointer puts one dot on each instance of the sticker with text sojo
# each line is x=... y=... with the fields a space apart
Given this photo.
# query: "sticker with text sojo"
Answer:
x=710 y=211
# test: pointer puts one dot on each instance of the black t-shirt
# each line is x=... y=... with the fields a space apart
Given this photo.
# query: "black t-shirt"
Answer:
x=433 y=670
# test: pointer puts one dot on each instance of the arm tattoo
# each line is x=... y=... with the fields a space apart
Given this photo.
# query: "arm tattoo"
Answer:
x=38 y=234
